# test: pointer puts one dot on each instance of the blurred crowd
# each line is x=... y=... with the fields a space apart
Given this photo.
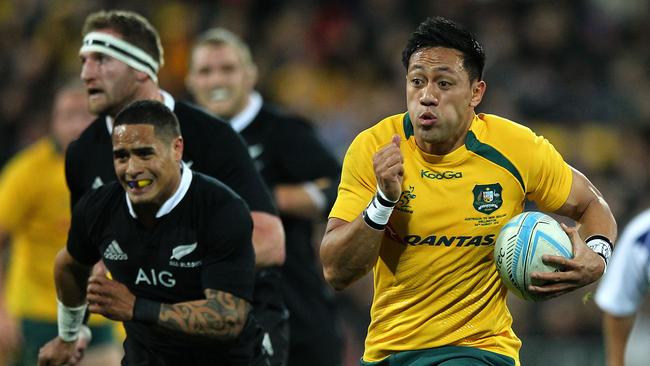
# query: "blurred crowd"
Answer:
x=576 y=71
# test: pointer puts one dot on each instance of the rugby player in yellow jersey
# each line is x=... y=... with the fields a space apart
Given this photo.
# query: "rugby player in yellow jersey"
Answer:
x=422 y=197
x=34 y=220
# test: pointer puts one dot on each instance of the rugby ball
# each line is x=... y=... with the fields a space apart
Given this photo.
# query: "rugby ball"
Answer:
x=519 y=248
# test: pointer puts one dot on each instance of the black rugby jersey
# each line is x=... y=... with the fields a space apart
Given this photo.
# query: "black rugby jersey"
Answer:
x=286 y=150
x=210 y=147
x=204 y=242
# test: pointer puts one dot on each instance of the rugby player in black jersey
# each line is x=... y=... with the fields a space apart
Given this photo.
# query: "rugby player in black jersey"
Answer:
x=178 y=246
x=120 y=56
x=301 y=173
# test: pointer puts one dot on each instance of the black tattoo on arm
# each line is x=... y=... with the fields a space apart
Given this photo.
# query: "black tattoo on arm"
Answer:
x=220 y=316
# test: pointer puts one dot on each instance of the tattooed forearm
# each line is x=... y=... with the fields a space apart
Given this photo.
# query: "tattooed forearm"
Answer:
x=220 y=316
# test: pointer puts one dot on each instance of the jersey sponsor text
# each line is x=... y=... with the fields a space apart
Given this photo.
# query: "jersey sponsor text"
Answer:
x=153 y=278
x=448 y=241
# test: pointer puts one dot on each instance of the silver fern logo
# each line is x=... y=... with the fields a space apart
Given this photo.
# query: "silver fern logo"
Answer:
x=180 y=252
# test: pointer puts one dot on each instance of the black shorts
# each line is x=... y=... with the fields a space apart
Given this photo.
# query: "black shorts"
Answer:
x=275 y=334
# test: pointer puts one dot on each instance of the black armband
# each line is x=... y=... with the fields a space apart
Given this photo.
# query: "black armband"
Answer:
x=145 y=310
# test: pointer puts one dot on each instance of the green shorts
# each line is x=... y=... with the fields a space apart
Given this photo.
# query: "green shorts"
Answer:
x=444 y=356
x=37 y=333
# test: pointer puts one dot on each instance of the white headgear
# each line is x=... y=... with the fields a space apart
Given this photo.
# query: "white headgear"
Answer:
x=122 y=50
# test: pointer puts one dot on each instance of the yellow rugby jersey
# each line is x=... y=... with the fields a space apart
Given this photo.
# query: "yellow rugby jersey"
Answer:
x=35 y=211
x=435 y=280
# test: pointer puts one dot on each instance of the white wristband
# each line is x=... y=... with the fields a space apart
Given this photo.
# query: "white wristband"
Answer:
x=70 y=320
x=378 y=213
x=85 y=333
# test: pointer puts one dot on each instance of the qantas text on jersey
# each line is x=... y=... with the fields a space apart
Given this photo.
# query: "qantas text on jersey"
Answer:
x=449 y=240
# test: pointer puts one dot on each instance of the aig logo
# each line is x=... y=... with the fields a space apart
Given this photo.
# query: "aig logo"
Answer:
x=153 y=278
x=444 y=175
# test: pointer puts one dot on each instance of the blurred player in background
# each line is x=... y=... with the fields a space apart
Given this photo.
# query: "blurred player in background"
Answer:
x=423 y=195
x=34 y=218
x=121 y=55
x=301 y=173
x=624 y=287
x=179 y=247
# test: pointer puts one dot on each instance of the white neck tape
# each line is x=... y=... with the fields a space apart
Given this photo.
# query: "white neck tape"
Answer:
x=122 y=50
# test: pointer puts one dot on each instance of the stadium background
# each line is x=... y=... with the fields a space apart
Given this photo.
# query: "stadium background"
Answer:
x=576 y=71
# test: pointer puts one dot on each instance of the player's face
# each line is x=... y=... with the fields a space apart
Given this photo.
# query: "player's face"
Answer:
x=147 y=167
x=69 y=116
x=440 y=99
x=220 y=80
x=111 y=84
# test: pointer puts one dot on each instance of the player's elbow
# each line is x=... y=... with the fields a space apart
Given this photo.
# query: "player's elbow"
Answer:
x=336 y=279
x=268 y=239
x=237 y=327
x=333 y=271
x=232 y=326
x=342 y=263
x=333 y=281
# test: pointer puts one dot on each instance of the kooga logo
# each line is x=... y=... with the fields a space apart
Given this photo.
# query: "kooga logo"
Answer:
x=444 y=175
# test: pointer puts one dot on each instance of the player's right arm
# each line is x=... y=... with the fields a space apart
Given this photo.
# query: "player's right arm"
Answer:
x=350 y=249
x=70 y=277
x=72 y=268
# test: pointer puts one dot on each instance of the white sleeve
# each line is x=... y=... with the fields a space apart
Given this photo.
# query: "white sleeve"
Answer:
x=625 y=283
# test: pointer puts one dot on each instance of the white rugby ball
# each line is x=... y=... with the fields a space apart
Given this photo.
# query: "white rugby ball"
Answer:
x=519 y=248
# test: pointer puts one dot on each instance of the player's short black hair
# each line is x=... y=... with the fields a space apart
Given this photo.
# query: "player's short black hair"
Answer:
x=442 y=32
x=133 y=27
x=151 y=112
